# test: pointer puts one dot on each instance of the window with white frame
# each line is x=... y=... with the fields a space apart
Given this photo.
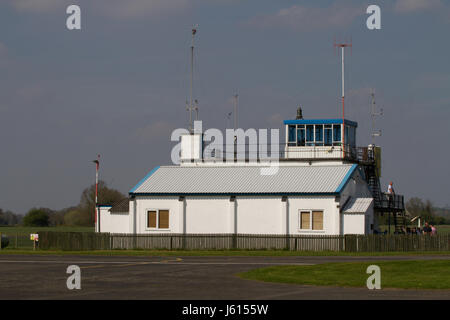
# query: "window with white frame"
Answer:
x=158 y=219
x=311 y=220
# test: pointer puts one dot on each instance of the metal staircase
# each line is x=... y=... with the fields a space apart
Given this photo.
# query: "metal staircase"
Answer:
x=383 y=203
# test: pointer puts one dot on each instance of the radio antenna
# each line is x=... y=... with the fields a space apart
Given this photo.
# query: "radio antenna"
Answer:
x=373 y=114
x=343 y=45
x=193 y=105
x=235 y=110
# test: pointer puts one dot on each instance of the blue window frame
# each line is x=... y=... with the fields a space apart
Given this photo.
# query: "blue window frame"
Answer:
x=320 y=135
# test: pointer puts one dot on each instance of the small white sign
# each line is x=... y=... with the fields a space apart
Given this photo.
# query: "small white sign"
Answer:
x=34 y=236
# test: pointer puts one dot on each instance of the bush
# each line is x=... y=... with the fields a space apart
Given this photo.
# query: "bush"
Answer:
x=77 y=218
x=4 y=241
x=36 y=218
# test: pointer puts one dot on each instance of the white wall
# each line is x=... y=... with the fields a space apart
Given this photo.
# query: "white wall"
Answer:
x=305 y=152
x=143 y=204
x=259 y=215
x=360 y=223
x=247 y=214
x=325 y=203
x=113 y=222
x=191 y=146
x=208 y=215
x=354 y=223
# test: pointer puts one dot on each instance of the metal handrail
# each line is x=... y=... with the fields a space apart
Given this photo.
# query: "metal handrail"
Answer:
x=362 y=154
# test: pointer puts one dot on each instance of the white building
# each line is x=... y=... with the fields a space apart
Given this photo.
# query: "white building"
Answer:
x=320 y=188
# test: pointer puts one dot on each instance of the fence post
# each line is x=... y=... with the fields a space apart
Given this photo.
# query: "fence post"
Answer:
x=1 y=241
x=234 y=237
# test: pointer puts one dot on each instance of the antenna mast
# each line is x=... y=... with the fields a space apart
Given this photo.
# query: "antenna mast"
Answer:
x=97 y=166
x=343 y=45
x=235 y=110
x=193 y=105
x=373 y=113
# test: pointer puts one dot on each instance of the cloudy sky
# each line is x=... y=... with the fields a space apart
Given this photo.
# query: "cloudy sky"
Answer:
x=118 y=87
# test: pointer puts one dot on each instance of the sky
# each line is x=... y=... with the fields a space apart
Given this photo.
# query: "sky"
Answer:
x=118 y=86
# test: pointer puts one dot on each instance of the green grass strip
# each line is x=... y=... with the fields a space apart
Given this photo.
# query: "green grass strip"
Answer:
x=425 y=274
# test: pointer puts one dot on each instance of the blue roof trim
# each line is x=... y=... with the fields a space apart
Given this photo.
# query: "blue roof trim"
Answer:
x=104 y=206
x=321 y=121
x=143 y=180
x=237 y=194
x=346 y=178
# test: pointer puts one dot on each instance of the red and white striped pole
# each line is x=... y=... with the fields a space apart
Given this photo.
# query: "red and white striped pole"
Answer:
x=97 y=166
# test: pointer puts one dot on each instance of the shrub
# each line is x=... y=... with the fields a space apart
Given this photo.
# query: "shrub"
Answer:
x=36 y=218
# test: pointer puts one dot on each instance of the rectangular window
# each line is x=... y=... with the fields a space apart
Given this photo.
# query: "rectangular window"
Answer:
x=336 y=133
x=319 y=135
x=158 y=219
x=151 y=219
x=328 y=138
x=163 y=219
x=291 y=133
x=309 y=133
x=305 y=217
x=319 y=132
x=311 y=220
x=317 y=220
x=300 y=137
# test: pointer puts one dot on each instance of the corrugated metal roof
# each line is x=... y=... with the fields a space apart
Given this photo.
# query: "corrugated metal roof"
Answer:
x=245 y=180
x=357 y=205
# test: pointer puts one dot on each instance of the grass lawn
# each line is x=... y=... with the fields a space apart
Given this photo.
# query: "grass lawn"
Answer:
x=244 y=253
x=431 y=274
x=27 y=230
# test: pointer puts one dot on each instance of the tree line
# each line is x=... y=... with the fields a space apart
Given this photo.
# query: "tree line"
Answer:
x=425 y=209
x=79 y=215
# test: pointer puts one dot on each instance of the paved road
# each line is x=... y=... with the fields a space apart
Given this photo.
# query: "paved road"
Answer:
x=102 y=277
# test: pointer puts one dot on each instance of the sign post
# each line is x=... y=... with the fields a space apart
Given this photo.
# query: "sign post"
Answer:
x=35 y=238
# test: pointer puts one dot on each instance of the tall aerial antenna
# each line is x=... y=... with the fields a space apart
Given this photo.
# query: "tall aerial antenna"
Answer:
x=374 y=113
x=193 y=105
x=235 y=110
x=97 y=166
x=343 y=45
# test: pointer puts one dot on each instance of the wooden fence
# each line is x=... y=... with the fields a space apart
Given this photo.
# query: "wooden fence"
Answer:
x=16 y=240
x=347 y=243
